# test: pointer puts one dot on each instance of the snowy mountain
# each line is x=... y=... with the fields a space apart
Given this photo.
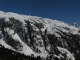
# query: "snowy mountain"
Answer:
x=39 y=36
x=77 y=25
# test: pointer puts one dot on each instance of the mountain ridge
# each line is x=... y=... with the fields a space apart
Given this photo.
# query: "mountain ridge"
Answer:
x=39 y=36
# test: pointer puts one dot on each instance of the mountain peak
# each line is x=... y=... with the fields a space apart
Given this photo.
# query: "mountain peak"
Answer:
x=39 y=36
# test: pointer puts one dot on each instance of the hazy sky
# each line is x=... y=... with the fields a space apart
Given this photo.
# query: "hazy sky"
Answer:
x=63 y=10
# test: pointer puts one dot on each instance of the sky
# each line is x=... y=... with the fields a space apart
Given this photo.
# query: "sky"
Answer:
x=63 y=10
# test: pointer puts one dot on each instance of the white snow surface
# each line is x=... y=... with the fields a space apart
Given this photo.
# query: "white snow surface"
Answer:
x=25 y=49
x=52 y=27
x=3 y=43
x=49 y=24
x=68 y=54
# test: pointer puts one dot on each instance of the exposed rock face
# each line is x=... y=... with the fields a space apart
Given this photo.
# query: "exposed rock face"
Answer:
x=39 y=36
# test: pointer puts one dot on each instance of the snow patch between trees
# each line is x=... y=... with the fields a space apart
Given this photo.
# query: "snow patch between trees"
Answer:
x=68 y=54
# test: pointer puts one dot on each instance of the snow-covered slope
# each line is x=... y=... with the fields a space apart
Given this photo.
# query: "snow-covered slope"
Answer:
x=77 y=25
x=37 y=35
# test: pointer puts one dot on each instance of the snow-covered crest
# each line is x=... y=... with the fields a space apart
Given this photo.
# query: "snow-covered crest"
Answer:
x=49 y=24
x=42 y=29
